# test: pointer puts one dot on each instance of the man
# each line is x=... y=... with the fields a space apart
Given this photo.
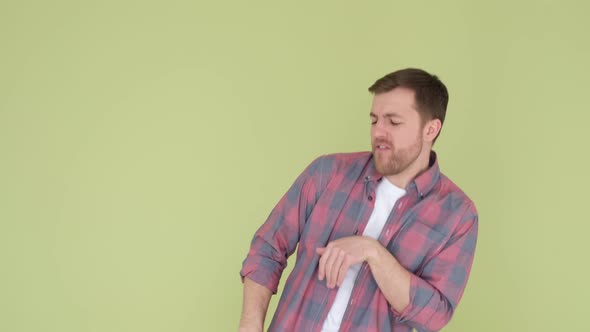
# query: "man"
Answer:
x=385 y=241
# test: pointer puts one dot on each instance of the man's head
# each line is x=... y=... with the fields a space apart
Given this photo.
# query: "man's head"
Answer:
x=407 y=114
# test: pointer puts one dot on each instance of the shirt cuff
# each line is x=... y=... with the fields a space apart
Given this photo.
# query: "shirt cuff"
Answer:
x=265 y=277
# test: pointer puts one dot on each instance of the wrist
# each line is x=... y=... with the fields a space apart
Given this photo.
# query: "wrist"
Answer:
x=372 y=251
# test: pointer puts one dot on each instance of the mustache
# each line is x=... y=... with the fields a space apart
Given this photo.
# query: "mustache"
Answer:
x=381 y=142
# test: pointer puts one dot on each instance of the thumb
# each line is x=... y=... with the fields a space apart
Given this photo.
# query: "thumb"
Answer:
x=321 y=250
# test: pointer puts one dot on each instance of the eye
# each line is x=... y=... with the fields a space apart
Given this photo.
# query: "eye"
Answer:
x=395 y=123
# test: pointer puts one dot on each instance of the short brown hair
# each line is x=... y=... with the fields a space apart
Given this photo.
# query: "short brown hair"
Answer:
x=431 y=94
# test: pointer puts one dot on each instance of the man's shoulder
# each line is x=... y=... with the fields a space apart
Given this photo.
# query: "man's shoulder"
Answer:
x=347 y=158
x=454 y=194
x=338 y=166
x=342 y=161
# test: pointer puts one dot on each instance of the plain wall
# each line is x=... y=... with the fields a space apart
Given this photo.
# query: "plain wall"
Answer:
x=142 y=143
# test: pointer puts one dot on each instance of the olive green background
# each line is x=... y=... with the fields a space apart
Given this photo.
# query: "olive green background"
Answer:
x=142 y=144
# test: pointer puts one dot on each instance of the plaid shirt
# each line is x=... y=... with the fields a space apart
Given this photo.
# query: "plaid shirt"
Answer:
x=431 y=231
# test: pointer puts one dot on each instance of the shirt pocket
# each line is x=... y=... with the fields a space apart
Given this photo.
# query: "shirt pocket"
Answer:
x=415 y=243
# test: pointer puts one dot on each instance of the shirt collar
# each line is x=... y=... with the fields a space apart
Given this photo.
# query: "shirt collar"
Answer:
x=423 y=183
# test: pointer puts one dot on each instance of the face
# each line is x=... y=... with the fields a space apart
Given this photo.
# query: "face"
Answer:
x=396 y=131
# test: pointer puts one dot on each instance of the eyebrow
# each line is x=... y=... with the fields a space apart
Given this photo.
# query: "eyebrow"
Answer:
x=387 y=115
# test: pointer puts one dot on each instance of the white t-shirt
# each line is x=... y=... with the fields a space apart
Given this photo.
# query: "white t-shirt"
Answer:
x=386 y=196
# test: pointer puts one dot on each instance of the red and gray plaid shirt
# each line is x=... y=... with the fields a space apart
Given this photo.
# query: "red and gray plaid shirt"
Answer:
x=431 y=231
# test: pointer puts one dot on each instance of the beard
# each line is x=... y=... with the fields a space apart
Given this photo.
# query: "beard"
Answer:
x=395 y=161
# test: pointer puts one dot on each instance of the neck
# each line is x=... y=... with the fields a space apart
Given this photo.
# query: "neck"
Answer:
x=404 y=178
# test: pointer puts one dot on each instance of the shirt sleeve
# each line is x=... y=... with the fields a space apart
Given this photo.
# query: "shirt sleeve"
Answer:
x=277 y=238
x=435 y=293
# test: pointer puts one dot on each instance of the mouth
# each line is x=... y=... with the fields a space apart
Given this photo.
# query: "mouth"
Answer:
x=382 y=147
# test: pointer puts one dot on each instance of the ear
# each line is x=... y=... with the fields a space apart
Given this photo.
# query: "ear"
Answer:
x=431 y=130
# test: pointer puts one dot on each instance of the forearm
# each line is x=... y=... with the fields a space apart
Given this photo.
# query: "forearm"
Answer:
x=395 y=282
x=391 y=277
x=426 y=301
x=255 y=305
x=415 y=300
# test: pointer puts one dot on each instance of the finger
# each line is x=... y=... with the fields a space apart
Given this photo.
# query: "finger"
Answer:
x=322 y=264
x=330 y=269
x=343 y=270
x=320 y=251
x=336 y=269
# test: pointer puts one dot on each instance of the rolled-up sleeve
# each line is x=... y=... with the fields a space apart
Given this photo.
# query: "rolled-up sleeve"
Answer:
x=437 y=290
x=277 y=238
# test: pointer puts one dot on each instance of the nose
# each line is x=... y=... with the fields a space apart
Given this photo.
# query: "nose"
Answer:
x=378 y=130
